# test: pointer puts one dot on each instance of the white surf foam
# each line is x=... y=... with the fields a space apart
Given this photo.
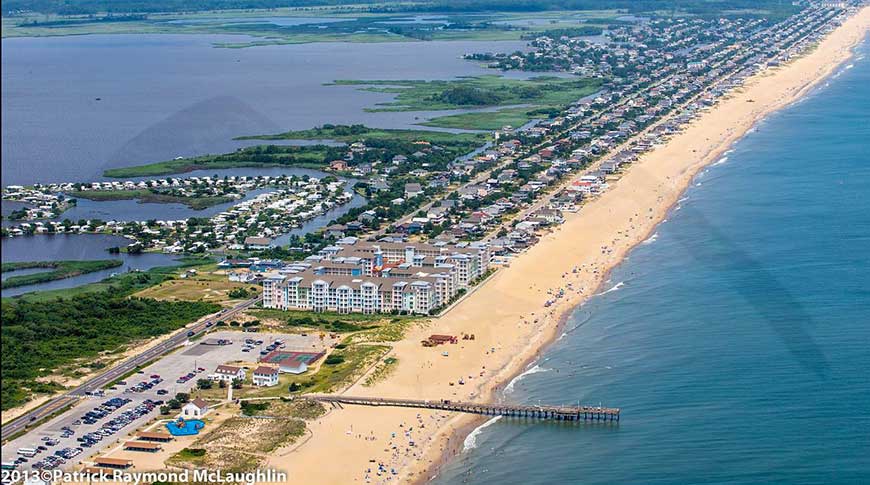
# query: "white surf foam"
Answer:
x=613 y=288
x=720 y=161
x=651 y=239
x=470 y=442
x=532 y=370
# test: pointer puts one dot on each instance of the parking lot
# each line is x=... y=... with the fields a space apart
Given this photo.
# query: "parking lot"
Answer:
x=99 y=421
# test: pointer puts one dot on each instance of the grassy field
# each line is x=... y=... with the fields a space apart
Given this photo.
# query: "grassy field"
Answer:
x=147 y=196
x=492 y=120
x=59 y=270
x=331 y=322
x=195 y=289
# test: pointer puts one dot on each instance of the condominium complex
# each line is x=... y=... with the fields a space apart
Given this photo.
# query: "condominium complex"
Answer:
x=374 y=277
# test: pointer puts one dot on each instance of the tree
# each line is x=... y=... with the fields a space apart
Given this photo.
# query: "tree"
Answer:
x=164 y=410
x=204 y=384
x=294 y=387
x=237 y=383
x=174 y=404
x=182 y=397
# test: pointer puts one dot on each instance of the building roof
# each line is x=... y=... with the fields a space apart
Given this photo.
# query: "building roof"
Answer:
x=227 y=369
x=142 y=445
x=152 y=435
x=105 y=460
x=199 y=403
x=260 y=241
x=265 y=370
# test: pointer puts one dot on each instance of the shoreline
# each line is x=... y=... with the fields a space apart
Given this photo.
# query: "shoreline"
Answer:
x=463 y=430
x=507 y=314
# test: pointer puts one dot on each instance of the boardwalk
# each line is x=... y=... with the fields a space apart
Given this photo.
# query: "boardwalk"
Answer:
x=555 y=413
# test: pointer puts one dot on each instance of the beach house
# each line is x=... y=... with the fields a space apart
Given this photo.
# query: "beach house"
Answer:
x=265 y=376
x=227 y=373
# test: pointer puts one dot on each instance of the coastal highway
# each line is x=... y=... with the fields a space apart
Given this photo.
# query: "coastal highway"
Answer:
x=101 y=380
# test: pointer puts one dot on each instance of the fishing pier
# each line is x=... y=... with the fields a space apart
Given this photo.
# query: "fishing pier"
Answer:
x=552 y=413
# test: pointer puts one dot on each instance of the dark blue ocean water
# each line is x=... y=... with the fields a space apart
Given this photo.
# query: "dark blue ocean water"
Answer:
x=738 y=344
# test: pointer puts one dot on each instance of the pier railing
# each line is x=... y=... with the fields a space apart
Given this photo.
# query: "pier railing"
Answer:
x=554 y=413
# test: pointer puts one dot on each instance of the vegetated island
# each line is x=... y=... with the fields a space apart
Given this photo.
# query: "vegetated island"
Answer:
x=59 y=270
x=520 y=99
x=311 y=156
x=354 y=133
x=315 y=157
x=152 y=196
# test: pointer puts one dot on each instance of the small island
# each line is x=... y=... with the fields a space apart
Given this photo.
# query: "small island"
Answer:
x=58 y=270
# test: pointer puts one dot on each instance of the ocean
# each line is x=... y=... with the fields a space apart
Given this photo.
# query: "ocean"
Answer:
x=736 y=339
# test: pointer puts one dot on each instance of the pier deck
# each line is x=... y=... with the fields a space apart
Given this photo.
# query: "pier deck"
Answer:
x=553 y=413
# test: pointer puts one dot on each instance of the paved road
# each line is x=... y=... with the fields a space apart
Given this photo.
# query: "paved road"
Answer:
x=116 y=372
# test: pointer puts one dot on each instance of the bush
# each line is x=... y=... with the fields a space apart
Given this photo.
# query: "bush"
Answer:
x=253 y=408
x=204 y=384
x=334 y=359
x=193 y=452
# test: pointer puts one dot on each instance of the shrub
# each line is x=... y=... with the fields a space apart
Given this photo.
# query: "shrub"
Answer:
x=334 y=359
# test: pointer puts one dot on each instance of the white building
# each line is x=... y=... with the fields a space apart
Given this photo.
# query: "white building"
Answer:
x=364 y=277
x=265 y=376
x=227 y=373
x=194 y=409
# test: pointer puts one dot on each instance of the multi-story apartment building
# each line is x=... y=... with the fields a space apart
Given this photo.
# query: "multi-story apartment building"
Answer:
x=350 y=294
x=364 y=277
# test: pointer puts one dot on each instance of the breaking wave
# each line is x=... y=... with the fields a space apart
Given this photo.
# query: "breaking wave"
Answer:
x=470 y=442
x=532 y=370
x=613 y=288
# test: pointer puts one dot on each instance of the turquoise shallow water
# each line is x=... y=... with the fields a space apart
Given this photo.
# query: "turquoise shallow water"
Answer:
x=738 y=343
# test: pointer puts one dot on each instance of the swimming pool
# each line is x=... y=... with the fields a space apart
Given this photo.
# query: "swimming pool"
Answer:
x=187 y=428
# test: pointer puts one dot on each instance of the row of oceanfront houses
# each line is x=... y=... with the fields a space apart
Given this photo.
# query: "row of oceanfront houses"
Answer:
x=355 y=276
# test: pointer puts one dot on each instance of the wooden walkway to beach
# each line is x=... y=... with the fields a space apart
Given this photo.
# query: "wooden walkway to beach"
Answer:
x=553 y=413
